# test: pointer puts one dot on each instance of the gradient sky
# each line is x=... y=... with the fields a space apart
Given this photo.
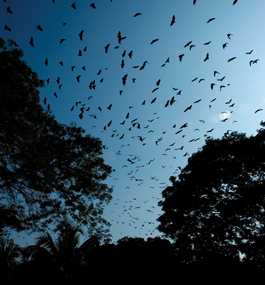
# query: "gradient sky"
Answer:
x=137 y=184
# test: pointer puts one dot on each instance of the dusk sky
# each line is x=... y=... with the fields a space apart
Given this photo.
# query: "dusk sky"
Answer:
x=154 y=119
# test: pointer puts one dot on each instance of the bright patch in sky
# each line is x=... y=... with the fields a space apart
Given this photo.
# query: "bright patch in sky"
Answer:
x=225 y=115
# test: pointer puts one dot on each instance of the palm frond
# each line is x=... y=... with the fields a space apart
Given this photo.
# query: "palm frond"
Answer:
x=34 y=252
x=45 y=240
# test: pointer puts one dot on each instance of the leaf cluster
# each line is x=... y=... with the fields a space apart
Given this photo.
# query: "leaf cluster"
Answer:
x=47 y=169
x=216 y=206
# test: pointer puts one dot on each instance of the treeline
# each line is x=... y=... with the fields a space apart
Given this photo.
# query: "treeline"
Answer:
x=130 y=259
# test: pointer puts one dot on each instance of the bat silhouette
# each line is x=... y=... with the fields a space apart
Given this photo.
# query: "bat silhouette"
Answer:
x=153 y=41
x=124 y=78
x=210 y=20
x=106 y=48
x=231 y=59
x=39 y=28
x=180 y=57
x=173 y=21
x=81 y=35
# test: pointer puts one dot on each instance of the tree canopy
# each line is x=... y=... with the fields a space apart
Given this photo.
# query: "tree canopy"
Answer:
x=216 y=206
x=47 y=169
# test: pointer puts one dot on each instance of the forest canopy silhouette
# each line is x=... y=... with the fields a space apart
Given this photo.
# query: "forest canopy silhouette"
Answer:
x=47 y=169
x=216 y=206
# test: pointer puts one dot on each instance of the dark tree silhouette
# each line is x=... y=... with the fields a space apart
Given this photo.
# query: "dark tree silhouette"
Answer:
x=65 y=251
x=47 y=169
x=9 y=253
x=216 y=206
x=141 y=260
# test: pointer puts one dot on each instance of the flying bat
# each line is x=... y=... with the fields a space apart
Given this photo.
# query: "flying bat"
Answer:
x=81 y=35
x=120 y=38
x=173 y=21
x=153 y=41
x=188 y=108
x=122 y=63
x=144 y=64
x=106 y=48
x=180 y=57
x=249 y=52
x=31 y=42
x=207 y=56
x=212 y=85
x=8 y=10
x=215 y=72
x=253 y=61
x=210 y=20
x=231 y=59
x=39 y=28
x=187 y=44
x=124 y=79
x=184 y=126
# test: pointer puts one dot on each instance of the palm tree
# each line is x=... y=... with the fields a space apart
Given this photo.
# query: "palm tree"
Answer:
x=9 y=253
x=64 y=251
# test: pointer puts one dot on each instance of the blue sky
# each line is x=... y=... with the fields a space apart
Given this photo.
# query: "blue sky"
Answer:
x=137 y=186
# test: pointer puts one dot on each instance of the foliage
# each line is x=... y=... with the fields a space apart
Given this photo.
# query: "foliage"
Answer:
x=216 y=206
x=9 y=253
x=47 y=169
x=64 y=251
